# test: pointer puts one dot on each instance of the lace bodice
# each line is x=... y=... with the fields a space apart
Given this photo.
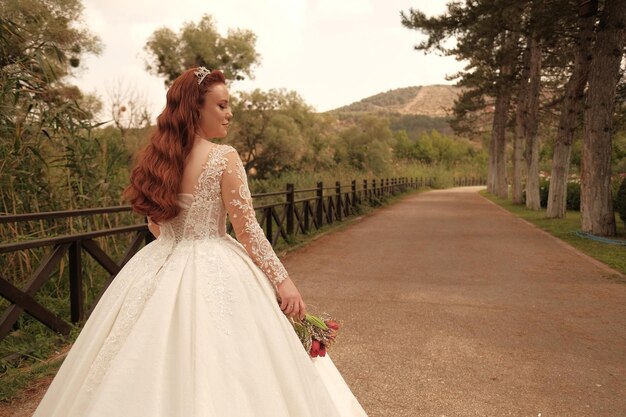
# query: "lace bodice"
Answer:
x=222 y=189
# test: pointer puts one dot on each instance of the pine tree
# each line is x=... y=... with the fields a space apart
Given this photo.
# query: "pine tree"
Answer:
x=597 y=212
x=486 y=34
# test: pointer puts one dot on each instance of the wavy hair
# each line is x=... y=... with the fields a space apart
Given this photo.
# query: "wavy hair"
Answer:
x=155 y=179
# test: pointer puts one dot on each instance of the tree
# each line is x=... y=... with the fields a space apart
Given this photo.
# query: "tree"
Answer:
x=170 y=54
x=271 y=130
x=597 y=212
x=521 y=111
x=41 y=115
x=486 y=34
x=496 y=176
x=43 y=38
x=532 y=123
x=319 y=154
x=571 y=109
x=128 y=107
x=544 y=30
x=366 y=146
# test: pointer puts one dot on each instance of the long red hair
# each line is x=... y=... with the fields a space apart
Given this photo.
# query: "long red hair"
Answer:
x=155 y=179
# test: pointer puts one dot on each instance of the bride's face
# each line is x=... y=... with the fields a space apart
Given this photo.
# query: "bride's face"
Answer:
x=215 y=114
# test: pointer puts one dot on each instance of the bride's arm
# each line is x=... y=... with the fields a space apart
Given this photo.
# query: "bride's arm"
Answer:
x=238 y=202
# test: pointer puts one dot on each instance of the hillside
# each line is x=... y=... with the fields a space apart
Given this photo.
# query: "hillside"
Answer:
x=429 y=100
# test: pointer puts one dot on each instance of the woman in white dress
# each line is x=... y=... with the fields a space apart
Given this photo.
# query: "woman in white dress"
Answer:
x=196 y=324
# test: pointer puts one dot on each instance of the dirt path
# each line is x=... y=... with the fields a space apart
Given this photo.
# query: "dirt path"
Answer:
x=453 y=307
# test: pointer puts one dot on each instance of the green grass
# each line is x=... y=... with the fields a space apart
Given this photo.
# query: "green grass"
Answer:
x=17 y=375
x=564 y=229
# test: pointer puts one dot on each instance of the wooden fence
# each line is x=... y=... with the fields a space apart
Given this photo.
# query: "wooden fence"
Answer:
x=283 y=219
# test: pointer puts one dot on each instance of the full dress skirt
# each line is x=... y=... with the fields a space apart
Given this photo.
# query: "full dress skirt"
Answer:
x=192 y=328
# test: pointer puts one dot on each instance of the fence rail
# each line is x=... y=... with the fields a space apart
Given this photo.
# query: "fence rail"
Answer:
x=284 y=219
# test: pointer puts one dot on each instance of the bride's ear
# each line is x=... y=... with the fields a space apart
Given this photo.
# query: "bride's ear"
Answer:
x=154 y=228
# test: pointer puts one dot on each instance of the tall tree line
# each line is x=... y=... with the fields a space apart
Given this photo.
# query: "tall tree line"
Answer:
x=529 y=59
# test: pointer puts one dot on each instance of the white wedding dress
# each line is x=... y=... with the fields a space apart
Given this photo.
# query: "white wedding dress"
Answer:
x=191 y=327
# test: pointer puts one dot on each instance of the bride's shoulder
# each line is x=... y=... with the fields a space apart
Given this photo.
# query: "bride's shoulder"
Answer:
x=227 y=151
x=227 y=148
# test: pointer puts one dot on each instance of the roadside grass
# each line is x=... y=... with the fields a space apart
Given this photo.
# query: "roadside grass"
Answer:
x=564 y=229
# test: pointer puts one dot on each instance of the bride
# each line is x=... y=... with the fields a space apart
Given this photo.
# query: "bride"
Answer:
x=196 y=324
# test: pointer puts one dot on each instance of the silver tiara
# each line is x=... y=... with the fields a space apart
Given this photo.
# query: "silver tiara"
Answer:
x=200 y=73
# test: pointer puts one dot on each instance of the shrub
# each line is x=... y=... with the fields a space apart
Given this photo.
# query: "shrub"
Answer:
x=572 y=198
x=544 y=187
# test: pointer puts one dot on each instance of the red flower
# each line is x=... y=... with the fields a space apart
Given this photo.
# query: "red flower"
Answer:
x=322 y=351
x=332 y=324
x=315 y=348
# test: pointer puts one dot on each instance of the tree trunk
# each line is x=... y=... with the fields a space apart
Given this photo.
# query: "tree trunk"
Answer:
x=498 y=149
x=497 y=146
x=570 y=113
x=596 y=201
x=533 y=200
x=520 y=131
x=490 y=167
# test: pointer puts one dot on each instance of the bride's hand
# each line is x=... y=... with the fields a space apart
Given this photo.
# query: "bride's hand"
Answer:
x=291 y=302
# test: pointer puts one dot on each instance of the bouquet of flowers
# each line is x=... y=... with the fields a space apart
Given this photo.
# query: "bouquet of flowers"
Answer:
x=316 y=333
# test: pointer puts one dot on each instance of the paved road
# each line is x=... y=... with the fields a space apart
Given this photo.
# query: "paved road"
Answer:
x=454 y=307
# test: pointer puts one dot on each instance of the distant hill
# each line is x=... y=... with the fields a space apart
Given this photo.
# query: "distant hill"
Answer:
x=428 y=100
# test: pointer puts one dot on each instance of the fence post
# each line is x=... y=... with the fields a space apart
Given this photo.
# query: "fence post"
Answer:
x=319 y=209
x=290 y=209
x=364 y=191
x=76 y=282
x=338 y=203
x=305 y=209
x=353 y=196
x=268 y=224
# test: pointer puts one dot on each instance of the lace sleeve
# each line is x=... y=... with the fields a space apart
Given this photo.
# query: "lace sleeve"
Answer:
x=238 y=202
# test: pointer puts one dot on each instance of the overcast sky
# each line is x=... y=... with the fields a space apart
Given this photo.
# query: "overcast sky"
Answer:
x=332 y=52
